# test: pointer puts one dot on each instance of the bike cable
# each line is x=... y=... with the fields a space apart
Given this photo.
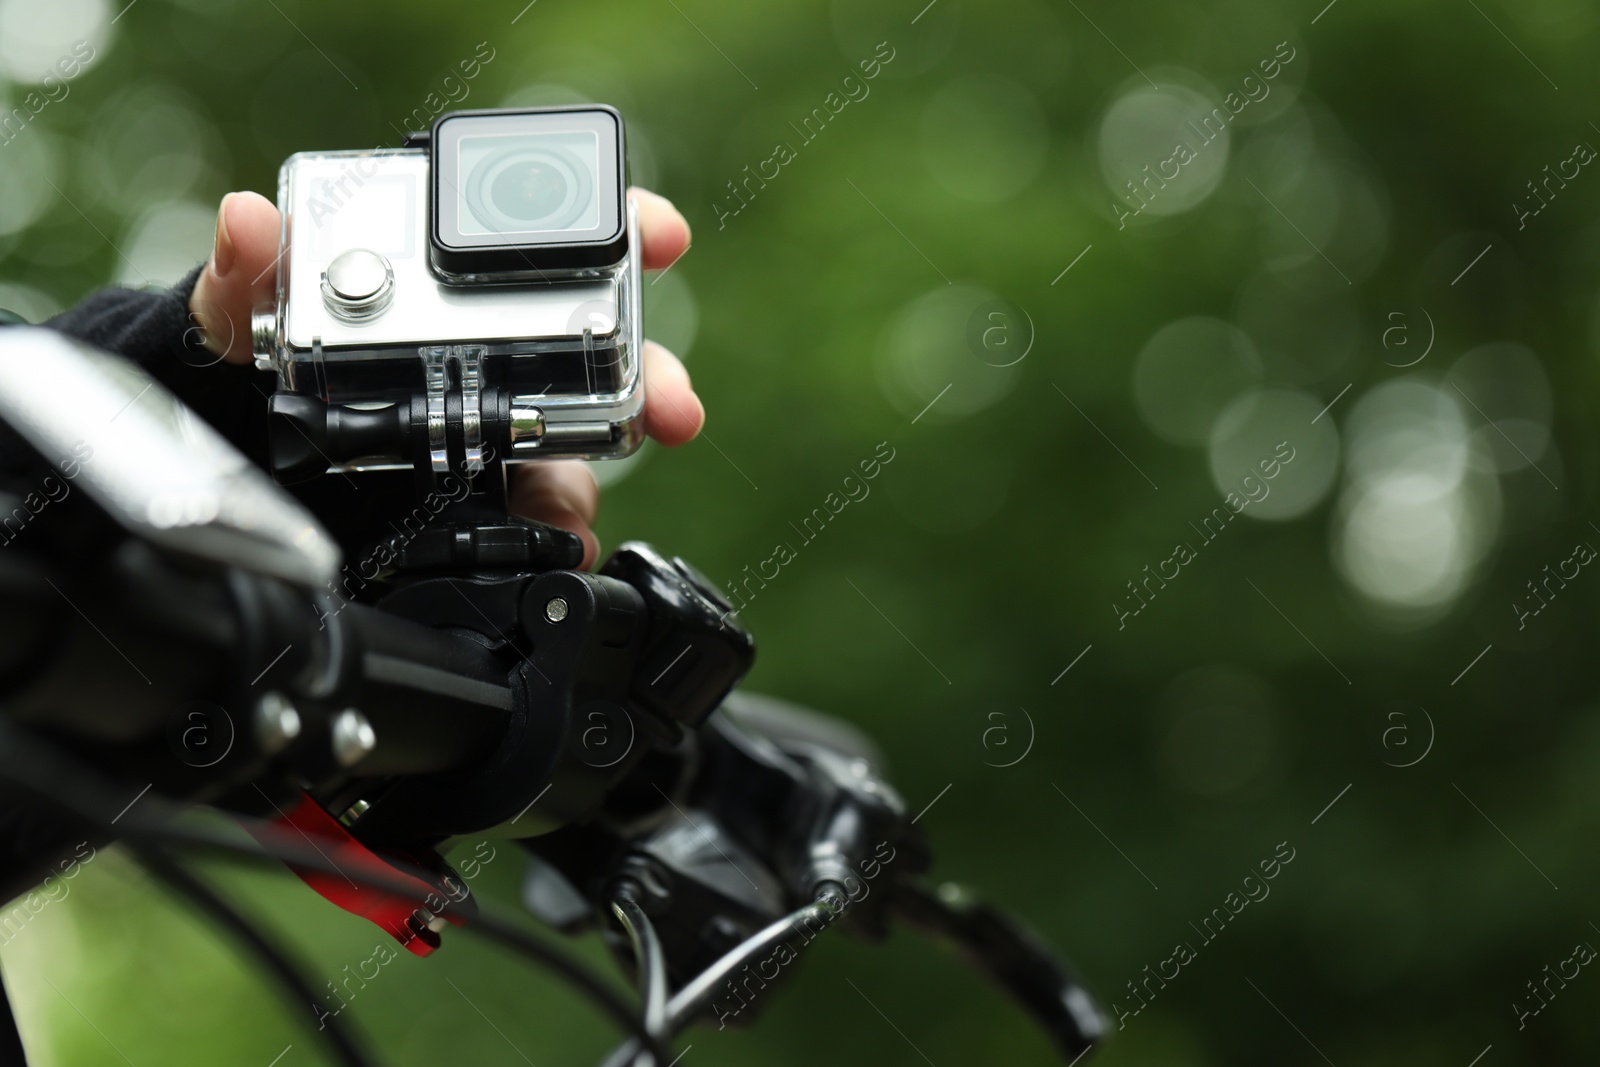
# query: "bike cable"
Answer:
x=43 y=771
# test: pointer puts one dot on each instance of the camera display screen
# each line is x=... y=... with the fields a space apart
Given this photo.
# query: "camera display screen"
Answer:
x=539 y=189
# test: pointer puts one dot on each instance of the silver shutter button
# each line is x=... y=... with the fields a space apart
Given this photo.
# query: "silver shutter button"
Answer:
x=358 y=285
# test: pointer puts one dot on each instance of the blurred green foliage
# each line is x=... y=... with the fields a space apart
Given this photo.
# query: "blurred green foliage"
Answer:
x=817 y=321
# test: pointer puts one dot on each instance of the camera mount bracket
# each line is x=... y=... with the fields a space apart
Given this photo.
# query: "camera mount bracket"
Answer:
x=457 y=419
x=467 y=362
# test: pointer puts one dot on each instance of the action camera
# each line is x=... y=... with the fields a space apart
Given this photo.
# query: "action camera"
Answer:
x=470 y=297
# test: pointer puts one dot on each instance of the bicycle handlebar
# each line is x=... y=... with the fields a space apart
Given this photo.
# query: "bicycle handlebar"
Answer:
x=487 y=690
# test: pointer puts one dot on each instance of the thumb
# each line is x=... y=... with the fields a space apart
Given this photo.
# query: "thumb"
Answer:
x=240 y=274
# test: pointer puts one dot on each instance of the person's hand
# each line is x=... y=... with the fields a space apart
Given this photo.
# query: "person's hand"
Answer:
x=242 y=274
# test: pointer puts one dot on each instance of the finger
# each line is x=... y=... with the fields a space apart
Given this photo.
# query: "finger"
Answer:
x=673 y=413
x=663 y=231
x=239 y=276
x=562 y=493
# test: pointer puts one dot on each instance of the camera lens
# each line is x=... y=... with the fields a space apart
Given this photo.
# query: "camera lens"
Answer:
x=519 y=193
x=535 y=184
x=529 y=190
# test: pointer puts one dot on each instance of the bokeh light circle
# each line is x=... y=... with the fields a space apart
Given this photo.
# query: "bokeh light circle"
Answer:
x=1409 y=426
x=34 y=305
x=166 y=243
x=1278 y=152
x=1187 y=372
x=1272 y=450
x=672 y=311
x=1144 y=128
x=1507 y=396
x=1418 y=513
x=32 y=176
x=924 y=353
x=151 y=146
x=37 y=34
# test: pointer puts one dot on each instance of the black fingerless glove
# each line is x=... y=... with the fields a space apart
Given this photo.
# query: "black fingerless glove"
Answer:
x=154 y=329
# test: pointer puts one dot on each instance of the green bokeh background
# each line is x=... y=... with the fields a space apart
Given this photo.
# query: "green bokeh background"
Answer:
x=987 y=554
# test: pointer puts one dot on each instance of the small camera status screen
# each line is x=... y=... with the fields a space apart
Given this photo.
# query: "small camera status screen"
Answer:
x=361 y=215
x=528 y=178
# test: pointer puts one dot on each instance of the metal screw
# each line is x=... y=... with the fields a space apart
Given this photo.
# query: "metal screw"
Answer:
x=556 y=609
x=353 y=737
x=276 y=722
x=264 y=337
x=354 y=812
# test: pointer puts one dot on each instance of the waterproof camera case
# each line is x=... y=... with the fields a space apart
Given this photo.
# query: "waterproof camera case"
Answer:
x=471 y=297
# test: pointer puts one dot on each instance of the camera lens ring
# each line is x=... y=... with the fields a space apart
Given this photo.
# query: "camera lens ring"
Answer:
x=495 y=178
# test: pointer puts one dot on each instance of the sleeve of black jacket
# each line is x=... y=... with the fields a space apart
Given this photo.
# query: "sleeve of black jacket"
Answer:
x=154 y=329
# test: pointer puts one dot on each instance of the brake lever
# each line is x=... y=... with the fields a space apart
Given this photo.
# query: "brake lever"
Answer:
x=797 y=805
x=438 y=897
x=1012 y=956
x=852 y=805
